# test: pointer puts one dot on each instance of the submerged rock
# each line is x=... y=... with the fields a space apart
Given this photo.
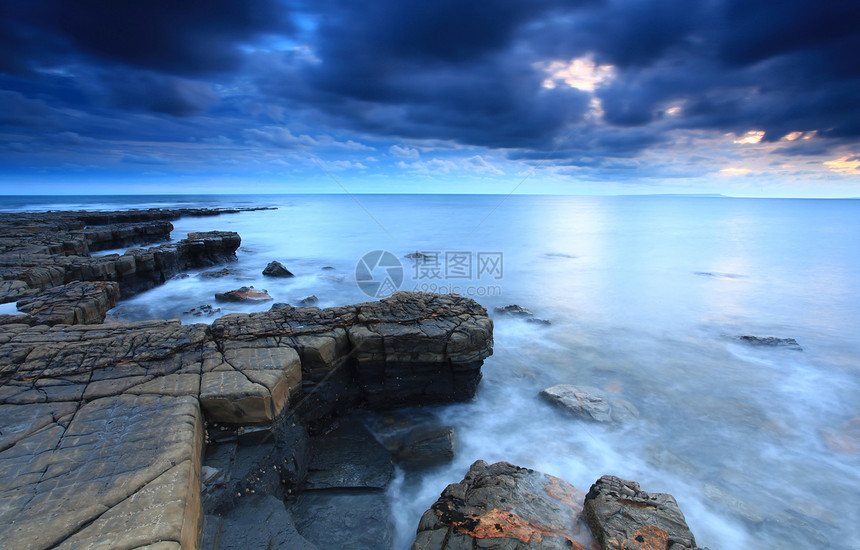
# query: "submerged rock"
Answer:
x=514 y=311
x=244 y=294
x=205 y=309
x=277 y=269
x=590 y=403
x=261 y=522
x=623 y=517
x=348 y=457
x=217 y=274
x=538 y=321
x=771 y=341
x=309 y=301
x=505 y=506
x=344 y=519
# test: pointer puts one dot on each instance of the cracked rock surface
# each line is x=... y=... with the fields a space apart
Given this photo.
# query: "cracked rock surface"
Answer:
x=101 y=426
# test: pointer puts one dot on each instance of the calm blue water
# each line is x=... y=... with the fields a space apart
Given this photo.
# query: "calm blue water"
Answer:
x=760 y=446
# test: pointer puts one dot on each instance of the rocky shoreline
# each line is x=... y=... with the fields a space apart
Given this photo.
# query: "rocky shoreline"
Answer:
x=243 y=432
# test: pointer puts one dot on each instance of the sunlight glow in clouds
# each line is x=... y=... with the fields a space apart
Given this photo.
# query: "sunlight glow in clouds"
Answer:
x=581 y=73
x=845 y=165
x=751 y=137
x=735 y=171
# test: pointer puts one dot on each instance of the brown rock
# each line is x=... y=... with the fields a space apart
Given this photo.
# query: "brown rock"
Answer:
x=244 y=294
x=505 y=506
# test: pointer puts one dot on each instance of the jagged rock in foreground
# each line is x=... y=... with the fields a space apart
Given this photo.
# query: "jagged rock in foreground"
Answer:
x=505 y=506
x=101 y=426
x=623 y=517
x=590 y=403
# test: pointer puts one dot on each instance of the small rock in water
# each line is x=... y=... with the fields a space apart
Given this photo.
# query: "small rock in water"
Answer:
x=244 y=294
x=771 y=341
x=590 y=403
x=277 y=269
x=205 y=309
x=328 y=268
x=216 y=274
x=418 y=256
x=309 y=301
x=538 y=321
x=514 y=311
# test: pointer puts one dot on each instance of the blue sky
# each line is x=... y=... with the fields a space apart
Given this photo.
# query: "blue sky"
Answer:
x=741 y=97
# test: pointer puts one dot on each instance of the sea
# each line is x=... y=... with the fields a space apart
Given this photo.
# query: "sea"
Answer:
x=646 y=298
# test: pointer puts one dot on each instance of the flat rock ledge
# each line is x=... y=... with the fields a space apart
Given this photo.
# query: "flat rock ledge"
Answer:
x=505 y=506
x=45 y=252
x=102 y=426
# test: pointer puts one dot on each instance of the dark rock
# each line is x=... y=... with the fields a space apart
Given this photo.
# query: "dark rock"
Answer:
x=505 y=506
x=244 y=294
x=309 y=301
x=771 y=341
x=328 y=268
x=427 y=445
x=413 y=438
x=590 y=403
x=348 y=457
x=622 y=517
x=358 y=520
x=272 y=463
x=277 y=269
x=417 y=256
x=217 y=274
x=205 y=309
x=261 y=522
x=537 y=321
x=719 y=275
x=514 y=311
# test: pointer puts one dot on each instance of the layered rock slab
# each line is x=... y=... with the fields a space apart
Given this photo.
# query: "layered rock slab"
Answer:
x=505 y=506
x=101 y=425
x=119 y=472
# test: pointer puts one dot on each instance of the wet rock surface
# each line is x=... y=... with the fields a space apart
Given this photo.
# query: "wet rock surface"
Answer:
x=244 y=294
x=590 y=403
x=771 y=341
x=505 y=506
x=623 y=517
x=277 y=269
x=348 y=457
x=261 y=522
x=513 y=310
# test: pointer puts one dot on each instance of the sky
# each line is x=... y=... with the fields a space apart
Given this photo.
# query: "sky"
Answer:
x=739 y=97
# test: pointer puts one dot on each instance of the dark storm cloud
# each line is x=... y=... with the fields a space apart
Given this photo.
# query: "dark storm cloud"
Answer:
x=146 y=91
x=189 y=37
x=465 y=72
